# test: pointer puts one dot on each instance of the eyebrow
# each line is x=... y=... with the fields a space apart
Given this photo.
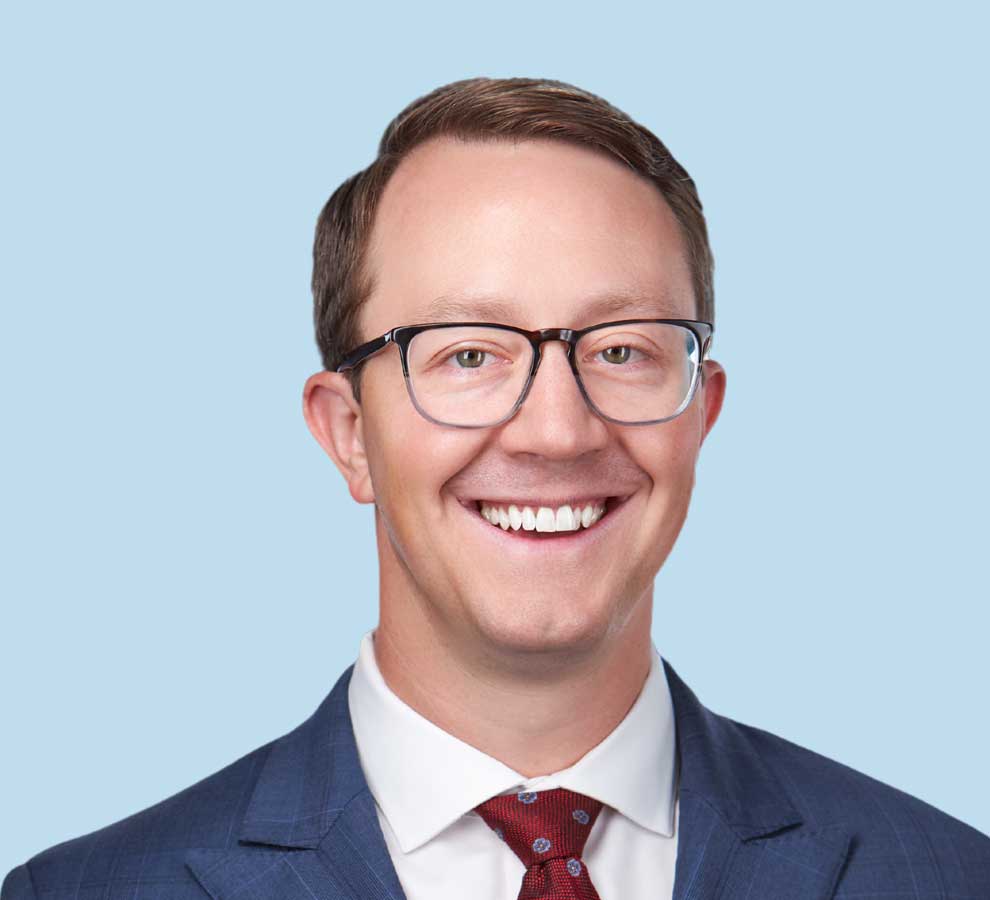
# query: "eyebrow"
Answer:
x=629 y=303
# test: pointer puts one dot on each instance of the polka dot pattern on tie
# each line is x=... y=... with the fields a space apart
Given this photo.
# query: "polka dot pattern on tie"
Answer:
x=547 y=831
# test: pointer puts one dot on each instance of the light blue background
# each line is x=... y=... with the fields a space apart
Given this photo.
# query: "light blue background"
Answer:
x=184 y=574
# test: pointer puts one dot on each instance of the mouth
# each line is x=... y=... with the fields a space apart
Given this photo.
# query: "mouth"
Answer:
x=578 y=520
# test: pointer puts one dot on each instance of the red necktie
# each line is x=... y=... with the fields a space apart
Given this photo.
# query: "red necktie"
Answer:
x=547 y=831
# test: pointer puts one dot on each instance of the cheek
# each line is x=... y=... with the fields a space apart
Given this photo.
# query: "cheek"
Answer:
x=667 y=452
x=668 y=458
x=410 y=459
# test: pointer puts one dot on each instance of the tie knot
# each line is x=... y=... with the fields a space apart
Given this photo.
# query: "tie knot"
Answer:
x=543 y=825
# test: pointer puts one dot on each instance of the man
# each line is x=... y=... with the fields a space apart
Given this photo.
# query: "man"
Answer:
x=514 y=309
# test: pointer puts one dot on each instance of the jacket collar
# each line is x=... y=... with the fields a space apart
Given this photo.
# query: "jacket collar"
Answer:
x=312 y=795
x=311 y=775
x=720 y=765
x=740 y=835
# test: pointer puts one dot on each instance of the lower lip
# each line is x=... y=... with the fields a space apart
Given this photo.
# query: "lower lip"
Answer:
x=553 y=545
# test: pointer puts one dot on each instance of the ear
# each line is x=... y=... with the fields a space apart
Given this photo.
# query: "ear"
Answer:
x=713 y=391
x=334 y=419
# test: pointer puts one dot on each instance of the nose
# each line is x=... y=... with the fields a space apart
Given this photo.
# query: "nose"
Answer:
x=554 y=420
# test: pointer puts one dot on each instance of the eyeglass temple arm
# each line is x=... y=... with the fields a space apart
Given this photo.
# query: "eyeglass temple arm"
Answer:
x=706 y=347
x=364 y=351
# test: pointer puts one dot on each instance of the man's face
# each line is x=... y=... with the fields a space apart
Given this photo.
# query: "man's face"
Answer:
x=544 y=229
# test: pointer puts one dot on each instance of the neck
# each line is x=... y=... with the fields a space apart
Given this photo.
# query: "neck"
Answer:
x=535 y=712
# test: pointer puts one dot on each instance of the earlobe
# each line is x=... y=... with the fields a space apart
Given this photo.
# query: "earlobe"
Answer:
x=334 y=418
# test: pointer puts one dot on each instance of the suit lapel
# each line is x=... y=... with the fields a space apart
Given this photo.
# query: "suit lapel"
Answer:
x=311 y=828
x=739 y=836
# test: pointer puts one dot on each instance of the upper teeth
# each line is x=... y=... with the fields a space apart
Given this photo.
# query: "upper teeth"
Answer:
x=544 y=518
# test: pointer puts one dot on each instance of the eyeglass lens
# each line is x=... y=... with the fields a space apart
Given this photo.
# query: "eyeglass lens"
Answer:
x=475 y=375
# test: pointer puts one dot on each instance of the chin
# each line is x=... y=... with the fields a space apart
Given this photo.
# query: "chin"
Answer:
x=548 y=626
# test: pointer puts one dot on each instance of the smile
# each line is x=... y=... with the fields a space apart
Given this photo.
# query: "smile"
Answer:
x=583 y=521
x=545 y=519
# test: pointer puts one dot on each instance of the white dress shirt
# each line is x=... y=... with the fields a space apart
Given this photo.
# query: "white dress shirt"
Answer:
x=426 y=783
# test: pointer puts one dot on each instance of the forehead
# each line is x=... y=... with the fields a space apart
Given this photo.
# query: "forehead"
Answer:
x=532 y=233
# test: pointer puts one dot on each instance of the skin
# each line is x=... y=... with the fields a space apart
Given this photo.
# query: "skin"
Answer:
x=531 y=657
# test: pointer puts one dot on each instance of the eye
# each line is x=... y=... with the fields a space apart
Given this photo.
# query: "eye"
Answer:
x=469 y=358
x=618 y=354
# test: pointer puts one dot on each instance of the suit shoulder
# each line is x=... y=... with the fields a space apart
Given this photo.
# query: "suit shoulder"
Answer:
x=150 y=844
x=17 y=885
x=881 y=818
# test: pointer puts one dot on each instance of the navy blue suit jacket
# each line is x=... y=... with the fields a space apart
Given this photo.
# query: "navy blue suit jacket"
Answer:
x=760 y=819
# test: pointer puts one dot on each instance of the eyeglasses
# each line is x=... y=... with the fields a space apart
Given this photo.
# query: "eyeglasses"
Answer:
x=477 y=374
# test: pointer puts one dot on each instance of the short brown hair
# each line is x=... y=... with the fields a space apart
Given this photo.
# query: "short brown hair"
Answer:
x=486 y=109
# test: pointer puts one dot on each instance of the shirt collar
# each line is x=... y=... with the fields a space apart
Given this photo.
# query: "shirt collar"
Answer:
x=424 y=778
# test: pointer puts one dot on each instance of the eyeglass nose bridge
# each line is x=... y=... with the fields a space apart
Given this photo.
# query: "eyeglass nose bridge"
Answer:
x=538 y=338
x=555 y=334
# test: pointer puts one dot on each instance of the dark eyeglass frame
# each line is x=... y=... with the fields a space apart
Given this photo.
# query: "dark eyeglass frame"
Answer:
x=402 y=335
